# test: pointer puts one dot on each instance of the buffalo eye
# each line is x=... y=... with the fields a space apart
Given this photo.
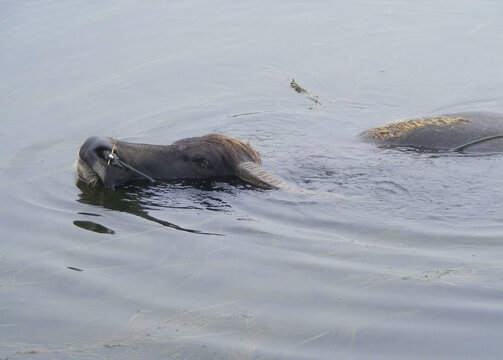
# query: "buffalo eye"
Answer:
x=203 y=163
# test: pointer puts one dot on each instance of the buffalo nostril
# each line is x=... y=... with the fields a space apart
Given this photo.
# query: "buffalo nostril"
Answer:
x=90 y=150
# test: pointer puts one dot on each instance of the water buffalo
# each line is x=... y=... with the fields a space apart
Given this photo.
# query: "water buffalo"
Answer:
x=217 y=155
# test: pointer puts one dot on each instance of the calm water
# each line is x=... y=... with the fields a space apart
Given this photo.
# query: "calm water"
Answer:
x=411 y=269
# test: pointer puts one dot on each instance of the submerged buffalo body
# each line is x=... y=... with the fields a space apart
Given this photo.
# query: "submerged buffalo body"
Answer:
x=216 y=155
x=443 y=132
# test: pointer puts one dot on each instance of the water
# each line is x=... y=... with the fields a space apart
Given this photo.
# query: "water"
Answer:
x=216 y=269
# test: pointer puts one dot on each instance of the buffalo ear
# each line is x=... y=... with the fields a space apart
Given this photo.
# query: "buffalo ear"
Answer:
x=256 y=175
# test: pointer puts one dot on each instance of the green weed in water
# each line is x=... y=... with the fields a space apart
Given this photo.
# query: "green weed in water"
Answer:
x=303 y=91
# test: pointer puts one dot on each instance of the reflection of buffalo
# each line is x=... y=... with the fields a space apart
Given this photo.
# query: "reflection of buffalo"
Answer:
x=216 y=155
x=131 y=202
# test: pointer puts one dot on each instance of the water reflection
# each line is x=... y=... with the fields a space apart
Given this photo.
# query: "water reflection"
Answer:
x=92 y=226
x=137 y=199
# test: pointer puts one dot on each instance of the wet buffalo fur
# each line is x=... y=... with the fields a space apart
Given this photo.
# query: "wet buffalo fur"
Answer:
x=232 y=151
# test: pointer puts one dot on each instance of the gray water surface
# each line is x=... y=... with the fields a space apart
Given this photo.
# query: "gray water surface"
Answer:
x=408 y=267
